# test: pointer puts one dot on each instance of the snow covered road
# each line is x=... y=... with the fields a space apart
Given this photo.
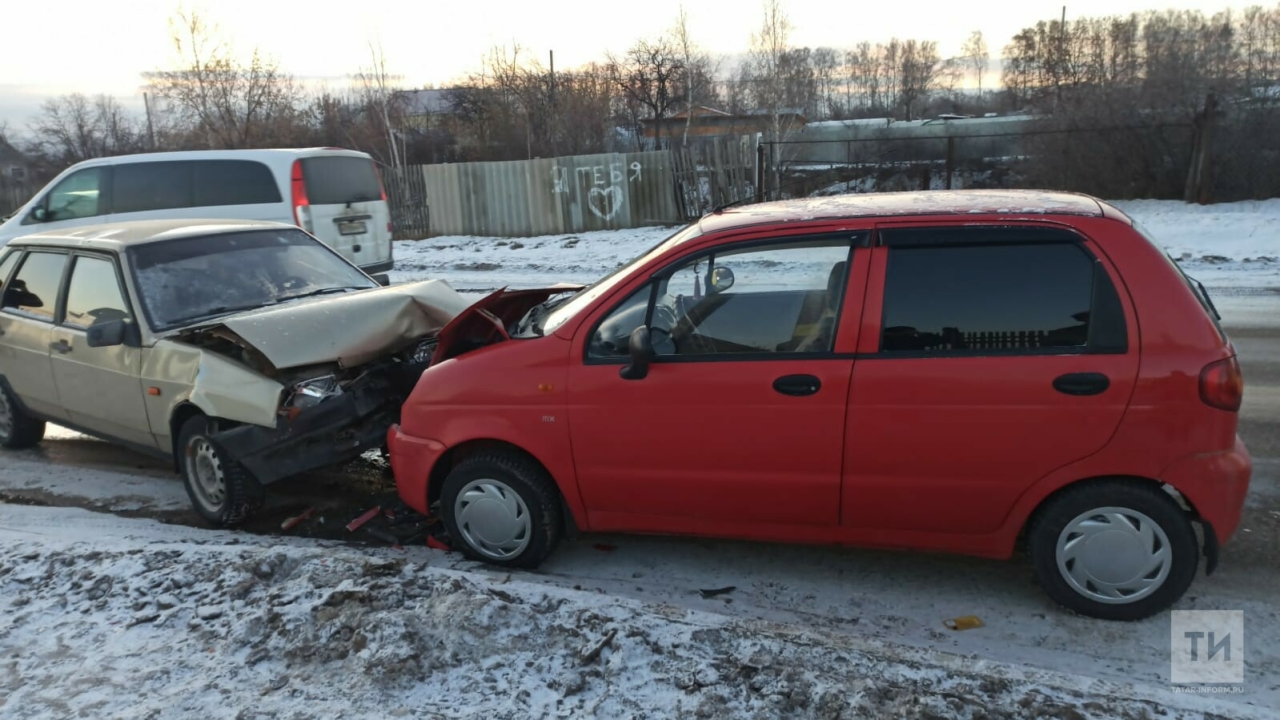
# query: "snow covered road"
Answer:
x=108 y=617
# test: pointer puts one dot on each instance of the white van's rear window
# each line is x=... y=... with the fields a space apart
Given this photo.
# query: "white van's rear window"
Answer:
x=340 y=180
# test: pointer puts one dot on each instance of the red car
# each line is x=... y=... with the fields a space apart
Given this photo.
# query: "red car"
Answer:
x=945 y=371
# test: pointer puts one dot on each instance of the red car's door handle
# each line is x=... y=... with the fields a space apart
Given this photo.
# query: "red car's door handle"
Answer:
x=798 y=385
x=1082 y=384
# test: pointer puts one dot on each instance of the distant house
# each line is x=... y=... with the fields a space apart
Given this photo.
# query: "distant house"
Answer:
x=710 y=122
x=15 y=168
x=421 y=107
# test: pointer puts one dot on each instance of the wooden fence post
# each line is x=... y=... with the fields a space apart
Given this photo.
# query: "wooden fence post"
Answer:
x=1198 y=187
x=760 y=172
x=951 y=158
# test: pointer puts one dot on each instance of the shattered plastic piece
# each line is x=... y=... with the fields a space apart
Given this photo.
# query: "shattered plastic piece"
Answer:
x=294 y=521
x=967 y=622
x=435 y=544
x=604 y=547
x=717 y=591
x=356 y=524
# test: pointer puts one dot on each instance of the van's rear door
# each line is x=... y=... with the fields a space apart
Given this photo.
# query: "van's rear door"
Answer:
x=348 y=209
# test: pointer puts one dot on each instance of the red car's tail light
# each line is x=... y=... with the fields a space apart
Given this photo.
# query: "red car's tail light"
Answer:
x=1222 y=384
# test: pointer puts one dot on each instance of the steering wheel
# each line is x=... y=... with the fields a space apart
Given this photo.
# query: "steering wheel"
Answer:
x=664 y=319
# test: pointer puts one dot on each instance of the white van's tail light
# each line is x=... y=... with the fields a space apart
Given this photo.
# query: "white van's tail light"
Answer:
x=1222 y=385
x=301 y=207
x=381 y=186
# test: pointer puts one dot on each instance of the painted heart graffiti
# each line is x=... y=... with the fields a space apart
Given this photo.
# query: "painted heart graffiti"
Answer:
x=605 y=202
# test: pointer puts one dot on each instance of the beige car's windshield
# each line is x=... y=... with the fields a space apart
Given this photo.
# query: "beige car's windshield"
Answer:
x=192 y=279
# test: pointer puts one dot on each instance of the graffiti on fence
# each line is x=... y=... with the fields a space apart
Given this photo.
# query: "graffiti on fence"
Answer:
x=603 y=184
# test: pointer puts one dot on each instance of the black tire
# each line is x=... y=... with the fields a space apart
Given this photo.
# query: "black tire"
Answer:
x=527 y=480
x=18 y=430
x=242 y=494
x=1057 y=512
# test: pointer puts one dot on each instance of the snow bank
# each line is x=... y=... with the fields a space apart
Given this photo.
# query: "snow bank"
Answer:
x=488 y=263
x=1227 y=245
x=144 y=620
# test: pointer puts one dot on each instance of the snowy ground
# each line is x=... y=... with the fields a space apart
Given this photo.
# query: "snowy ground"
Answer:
x=103 y=616
x=1234 y=245
x=106 y=617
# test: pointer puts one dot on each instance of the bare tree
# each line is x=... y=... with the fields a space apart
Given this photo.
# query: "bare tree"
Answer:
x=769 y=46
x=380 y=95
x=649 y=75
x=698 y=70
x=72 y=128
x=976 y=56
x=921 y=69
x=229 y=104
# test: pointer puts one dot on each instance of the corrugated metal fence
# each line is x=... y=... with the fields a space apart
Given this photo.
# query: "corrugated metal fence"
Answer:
x=551 y=196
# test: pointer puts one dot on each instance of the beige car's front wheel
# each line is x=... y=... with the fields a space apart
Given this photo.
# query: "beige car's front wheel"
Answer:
x=18 y=430
x=222 y=491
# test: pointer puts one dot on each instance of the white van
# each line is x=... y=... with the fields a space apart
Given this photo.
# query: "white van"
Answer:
x=334 y=194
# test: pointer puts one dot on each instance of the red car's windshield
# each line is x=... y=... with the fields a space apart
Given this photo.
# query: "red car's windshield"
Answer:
x=560 y=315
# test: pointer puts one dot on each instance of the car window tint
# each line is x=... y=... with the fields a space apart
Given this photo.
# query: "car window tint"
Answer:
x=233 y=182
x=340 y=180
x=94 y=295
x=6 y=266
x=1001 y=298
x=34 y=289
x=783 y=298
x=77 y=196
x=612 y=338
x=139 y=187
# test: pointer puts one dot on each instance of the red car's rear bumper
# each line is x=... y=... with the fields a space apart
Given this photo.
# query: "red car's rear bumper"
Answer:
x=411 y=460
x=1215 y=484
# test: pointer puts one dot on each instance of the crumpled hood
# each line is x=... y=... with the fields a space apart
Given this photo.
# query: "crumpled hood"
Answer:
x=350 y=329
x=484 y=322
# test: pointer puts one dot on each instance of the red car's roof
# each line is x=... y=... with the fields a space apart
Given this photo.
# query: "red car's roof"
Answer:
x=935 y=202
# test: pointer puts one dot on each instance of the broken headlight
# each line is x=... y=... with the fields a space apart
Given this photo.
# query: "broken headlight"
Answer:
x=421 y=354
x=310 y=393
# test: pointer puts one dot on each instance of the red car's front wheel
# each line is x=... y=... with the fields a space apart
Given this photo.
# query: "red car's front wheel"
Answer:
x=501 y=508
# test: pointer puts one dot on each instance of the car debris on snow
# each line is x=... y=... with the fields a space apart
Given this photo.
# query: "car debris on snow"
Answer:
x=364 y=634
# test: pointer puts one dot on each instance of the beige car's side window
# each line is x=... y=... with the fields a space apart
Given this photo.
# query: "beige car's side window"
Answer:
x=6 y=266
x=34 y=290
x=94 y=295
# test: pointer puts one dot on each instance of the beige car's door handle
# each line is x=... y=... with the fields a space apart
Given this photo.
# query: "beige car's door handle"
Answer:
x=62 y=346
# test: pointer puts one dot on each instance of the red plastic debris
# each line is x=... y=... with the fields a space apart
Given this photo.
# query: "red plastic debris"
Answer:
x=435 y=544
x=604 y=548
x=293 y=522
x=356 y=524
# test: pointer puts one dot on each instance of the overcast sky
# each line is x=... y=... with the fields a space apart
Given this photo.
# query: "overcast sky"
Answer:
x=91 y=46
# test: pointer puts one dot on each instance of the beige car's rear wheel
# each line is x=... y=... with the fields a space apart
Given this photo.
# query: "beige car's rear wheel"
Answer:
x=222 y=491
x=18 y=430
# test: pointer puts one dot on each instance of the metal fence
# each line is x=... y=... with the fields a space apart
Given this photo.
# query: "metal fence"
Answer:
x=407 y=197
x=550 y=196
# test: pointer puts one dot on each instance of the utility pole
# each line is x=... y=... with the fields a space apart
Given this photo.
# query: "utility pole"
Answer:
x=151 y=130
x=554 y=124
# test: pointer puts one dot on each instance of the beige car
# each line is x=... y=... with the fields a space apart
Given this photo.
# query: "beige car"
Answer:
x=248 y=352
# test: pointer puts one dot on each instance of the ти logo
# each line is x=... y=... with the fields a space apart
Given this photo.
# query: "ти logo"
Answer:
x=1206 y=647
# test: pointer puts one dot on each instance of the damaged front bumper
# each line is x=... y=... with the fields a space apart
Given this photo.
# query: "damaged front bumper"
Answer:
x=337 y=430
